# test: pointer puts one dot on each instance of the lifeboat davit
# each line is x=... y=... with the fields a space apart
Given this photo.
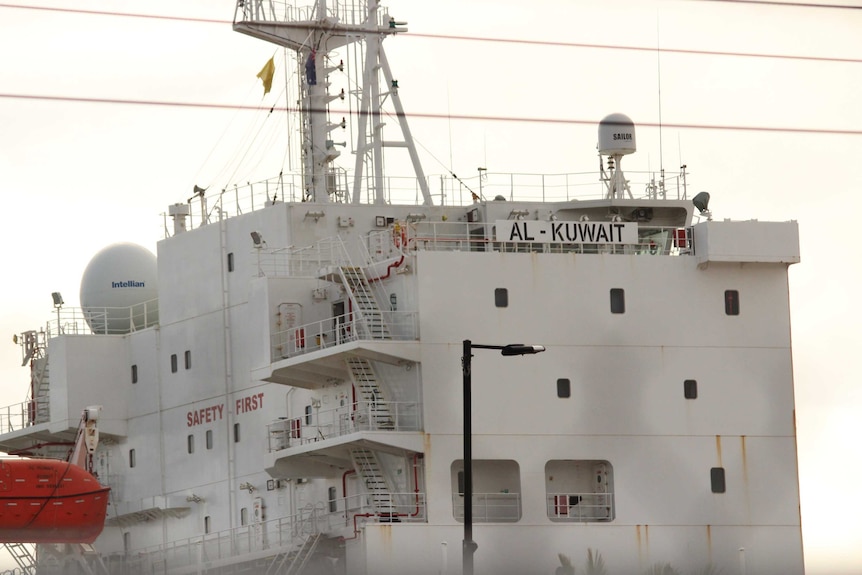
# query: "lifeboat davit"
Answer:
x=50 y=501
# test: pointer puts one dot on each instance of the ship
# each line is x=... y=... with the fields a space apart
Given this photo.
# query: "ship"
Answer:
x=347 y=371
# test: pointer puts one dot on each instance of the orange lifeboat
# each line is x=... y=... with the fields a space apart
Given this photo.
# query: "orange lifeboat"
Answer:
x=50 y=501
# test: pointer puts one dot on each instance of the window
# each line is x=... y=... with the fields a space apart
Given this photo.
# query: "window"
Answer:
x=131 y=458
x=173 y=363
x=236 y=432
x=690 y=388
x=333 y=504
x=496 y=490
x=127 y=542
x=135 y=373
x=230 y=269
x=188 y=359
x=307 y=415
x=243 y=516
x=564 y=388
x=618 y=300
x=716 y=476
x=579 y=490
x=731 y=302
x=190 y=443
x=207 y=524
x=209 y=438
x=501 y=297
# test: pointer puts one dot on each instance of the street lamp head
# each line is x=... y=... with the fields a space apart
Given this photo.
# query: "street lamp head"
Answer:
x=521 y=349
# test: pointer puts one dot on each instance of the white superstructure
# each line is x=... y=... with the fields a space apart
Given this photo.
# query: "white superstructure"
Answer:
x=292 y=402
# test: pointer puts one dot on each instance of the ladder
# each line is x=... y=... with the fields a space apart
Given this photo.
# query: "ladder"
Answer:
x=369 y=312
x=368 y=389
x=22 y=556
x=295 y=559
x=368 y=468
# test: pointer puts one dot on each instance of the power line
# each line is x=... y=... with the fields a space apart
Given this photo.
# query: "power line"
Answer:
x=529 y=42
x=436 y=116
x=790 y=4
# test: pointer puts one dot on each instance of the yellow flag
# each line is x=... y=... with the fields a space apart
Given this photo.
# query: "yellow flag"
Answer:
x=266 y=73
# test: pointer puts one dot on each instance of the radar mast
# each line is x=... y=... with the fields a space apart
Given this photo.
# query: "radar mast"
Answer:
x=313 y=32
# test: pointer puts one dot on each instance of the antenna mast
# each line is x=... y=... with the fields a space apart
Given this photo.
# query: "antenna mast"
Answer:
x=313 y=32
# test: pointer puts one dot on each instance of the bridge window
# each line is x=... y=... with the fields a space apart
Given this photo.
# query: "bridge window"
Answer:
x=716 y=476
x=209 y=438
x=618 y=300
x=135 y=373
x=689 y=388
x=173 y=363
x=501 y=297
x=731 y=302
x=564 y=388
x=132 y=458
x=496 y=490
x=190 y=443
x=188 y=359
x=236 y=432
x=579 y=490
x=230 y=269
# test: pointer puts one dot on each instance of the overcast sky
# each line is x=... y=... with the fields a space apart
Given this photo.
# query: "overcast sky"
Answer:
x=76 y=176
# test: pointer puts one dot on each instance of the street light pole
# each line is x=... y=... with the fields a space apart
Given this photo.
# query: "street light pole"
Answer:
x=469 y=546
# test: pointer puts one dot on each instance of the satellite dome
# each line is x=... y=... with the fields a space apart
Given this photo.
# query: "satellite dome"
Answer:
x=616 y=135
x=119 y=289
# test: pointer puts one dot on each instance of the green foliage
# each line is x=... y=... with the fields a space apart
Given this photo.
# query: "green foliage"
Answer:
x=595 y=563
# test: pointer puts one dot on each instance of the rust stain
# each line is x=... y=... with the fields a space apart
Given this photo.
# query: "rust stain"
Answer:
x=718 y=449
x=386 y=540
x=709 y=543
x=427 y=444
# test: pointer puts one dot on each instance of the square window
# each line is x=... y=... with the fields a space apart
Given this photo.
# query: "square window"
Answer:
x=173 y=363
x=188 y=359
x=501 y=297
x=618 y=300
x=230 y=269
x=209 y=438
x=689 y=387
x=135 y=374
x=564 y=388
x=731 y=302
x=716 y=476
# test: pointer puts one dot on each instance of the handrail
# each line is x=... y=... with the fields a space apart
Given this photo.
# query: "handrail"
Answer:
x=490 y=507
x=360 y=416
x=580 y=507
x=338 y=330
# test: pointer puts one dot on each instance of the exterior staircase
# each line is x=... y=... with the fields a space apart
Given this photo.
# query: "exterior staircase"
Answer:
x=372 y=322
x=22 y=555
x=293 y=562
x=41 y=390
x=370 y=471
x=368 y=389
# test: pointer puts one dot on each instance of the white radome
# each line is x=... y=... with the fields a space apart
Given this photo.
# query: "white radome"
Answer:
x=617 y=135
x=119 y=289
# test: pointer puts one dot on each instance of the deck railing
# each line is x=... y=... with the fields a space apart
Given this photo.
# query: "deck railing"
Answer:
x=580 y=507
x=490 y=507
x=338 y=330
x=447 y=191
x=344 y=420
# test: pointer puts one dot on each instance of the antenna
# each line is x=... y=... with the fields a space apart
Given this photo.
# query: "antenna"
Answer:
x=658 y=65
